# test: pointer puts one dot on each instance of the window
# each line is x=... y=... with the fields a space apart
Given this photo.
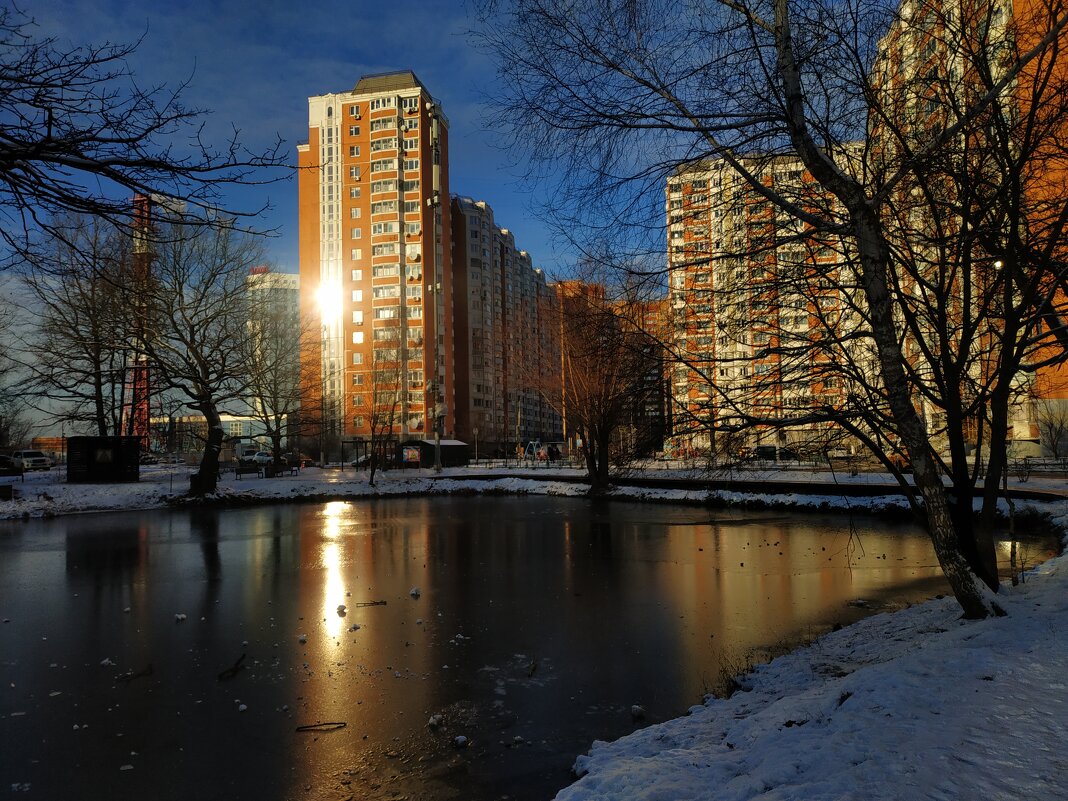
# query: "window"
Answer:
x=386 y=292
x=354 y=213
x=384 y=207
x=386 y=313
x=354 y=130
x=410 y=144
x=357 y=317
x=357 y=379
x=383 y=124
x=410 y=186
x=415 y=312
x=387 y=143
x=385 y=270
x=354 y=171
x=357 y=337
x=357 y=358
x=415 y=377
x=386 y=334
x=357 y=275
x=354 y=151
x=388 y=249
x=415 y=334
x=411 y=164
x=410 y=103
x=354 y=192
x=383 y=102
x=415 y=293
x=410 y=124
x=384 y=165
x=354 y=110
x=383 y=228
x=356 y=254
x=357 y=400
x=384 y=186
x=357 y=233
x=357 y=422
x=357 y=296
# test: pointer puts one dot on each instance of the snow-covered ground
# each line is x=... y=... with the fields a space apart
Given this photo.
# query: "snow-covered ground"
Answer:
x=913 y=704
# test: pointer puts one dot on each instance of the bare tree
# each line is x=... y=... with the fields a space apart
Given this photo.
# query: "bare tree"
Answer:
x=1051 y=414
x=382 y=404
x=277 y=334
x=197 y=338
x=623 y=93
x=79 y=135
x=81 y=351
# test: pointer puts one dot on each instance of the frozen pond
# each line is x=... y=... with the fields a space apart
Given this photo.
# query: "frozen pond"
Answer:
x=196 y=655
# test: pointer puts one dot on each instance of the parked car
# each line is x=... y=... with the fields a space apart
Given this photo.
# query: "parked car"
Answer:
x=31 y=460
x=149 y=458
x=260 y=457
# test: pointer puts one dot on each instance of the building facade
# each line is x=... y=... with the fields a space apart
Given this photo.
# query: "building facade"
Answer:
x=507 y=346
x=375 y=261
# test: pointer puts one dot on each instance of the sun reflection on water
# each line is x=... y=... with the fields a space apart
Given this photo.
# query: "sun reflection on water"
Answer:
x=330 y=558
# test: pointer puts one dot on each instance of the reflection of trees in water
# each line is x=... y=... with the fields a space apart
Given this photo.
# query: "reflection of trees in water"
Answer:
x=204 y=525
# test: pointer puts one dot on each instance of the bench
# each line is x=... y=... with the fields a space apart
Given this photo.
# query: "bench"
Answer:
x=247 y=470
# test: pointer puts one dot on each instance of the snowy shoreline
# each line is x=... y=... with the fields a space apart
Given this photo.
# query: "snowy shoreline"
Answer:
x=909 y=704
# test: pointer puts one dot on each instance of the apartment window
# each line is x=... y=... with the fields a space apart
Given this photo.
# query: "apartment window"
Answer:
x=357 y=296
x=384 y=165
x=384 y=207
x=415 y=334
x=384 y=186
x=354 y=151
x=354 y=172
x=354 y=130
x=386 y=334
x=354 y=110
x=354 y=213
x=386 y=313
x=386 y=270
x=415 y=377
x=387 y=143
x=383 y=228
x=354 y=192
x=383 y=124
x=357 y=233
x=357 y=317
x=357 y=337
x=357 y=400
x=356 y=254
x=381 y=292
x=411 y=206
x=413 y=271
x=388 y=249
x=357 y=422
x=411 y=164
x=411 y=143
x=357 y=358
x=415 y=312
x=357 y=379
x=357 y=275
x=383 y=102
x=410 y=103
x=411 y=186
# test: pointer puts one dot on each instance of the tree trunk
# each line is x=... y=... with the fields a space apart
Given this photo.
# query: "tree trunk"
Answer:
x=206 y=480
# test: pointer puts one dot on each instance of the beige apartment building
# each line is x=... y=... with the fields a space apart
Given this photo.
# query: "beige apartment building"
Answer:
x=506 y=343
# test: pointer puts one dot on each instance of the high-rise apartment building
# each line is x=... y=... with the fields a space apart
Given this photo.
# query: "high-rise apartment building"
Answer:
x=758 y=315
x=506 y=341
x=375 y=253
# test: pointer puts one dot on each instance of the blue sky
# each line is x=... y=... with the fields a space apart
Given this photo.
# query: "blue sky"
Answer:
x=254 y=64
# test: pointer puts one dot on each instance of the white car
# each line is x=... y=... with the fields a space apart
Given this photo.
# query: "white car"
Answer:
x=30 y=460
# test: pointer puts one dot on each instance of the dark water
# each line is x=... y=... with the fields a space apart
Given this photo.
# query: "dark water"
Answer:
x=539 y=622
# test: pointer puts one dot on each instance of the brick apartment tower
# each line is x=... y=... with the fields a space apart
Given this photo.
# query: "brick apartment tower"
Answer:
x=375 y=267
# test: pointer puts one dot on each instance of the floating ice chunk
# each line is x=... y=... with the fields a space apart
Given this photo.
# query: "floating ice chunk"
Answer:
x=354 y=627
x=241 y=707
x=179 y=617
x=415 y=592
x=460 y=741
x=126 y=767
x=106 y=661
x=637 y=711
x=302 y=638
x=435 y=721
x=341 y=610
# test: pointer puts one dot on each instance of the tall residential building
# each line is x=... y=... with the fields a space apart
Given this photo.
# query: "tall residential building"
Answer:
x=375 y=250
x=506 y=341
x=752 y=297
x=274 y=309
